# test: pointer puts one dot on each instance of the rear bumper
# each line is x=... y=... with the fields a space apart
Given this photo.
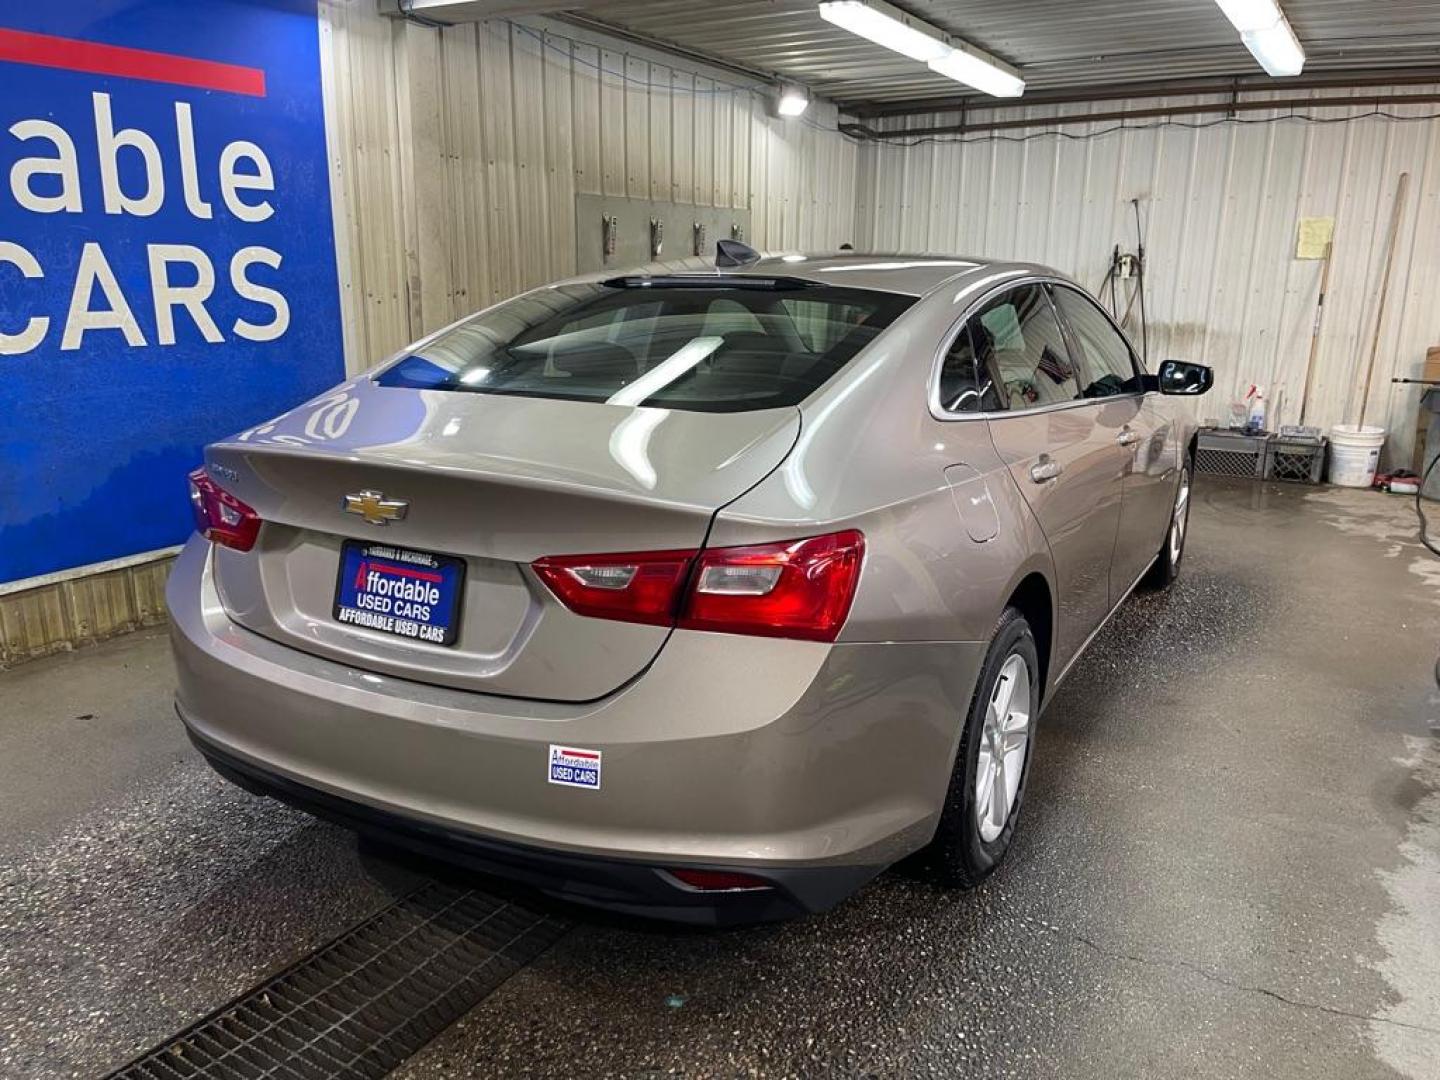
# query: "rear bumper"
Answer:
x=613 y=884
x=812 y=766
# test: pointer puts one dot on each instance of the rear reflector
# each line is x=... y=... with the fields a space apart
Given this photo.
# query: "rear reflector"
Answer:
x=794 y=589
x=719 y=880
x=219 y=516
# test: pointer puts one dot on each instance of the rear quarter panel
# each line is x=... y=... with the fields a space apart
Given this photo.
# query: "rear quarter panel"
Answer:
x=871 y=456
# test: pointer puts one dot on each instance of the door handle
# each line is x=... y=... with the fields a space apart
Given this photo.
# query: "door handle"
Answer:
x=1046 y=470
x=1127 y=437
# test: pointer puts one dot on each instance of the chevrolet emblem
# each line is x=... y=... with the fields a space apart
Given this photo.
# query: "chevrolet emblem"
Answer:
x=375 y=508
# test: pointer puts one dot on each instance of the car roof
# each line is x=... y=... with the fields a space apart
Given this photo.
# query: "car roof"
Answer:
x=893 y=272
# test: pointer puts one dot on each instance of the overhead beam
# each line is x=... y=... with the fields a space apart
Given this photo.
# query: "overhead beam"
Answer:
x=1159 y=111
x=1162 y=88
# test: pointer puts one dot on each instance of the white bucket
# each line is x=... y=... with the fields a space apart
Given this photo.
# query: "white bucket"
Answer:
x=1355 y=454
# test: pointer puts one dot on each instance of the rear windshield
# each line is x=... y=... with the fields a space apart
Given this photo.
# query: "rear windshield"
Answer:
x=709 y=348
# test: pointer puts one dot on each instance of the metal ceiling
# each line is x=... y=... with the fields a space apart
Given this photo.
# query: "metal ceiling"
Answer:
x=1059 y=45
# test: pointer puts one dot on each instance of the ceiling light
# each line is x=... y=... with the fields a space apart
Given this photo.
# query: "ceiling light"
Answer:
x=793 y=101
x=1251 y=14
x=877 y=21
x=887 y=26
x=1276 y=48
x=972 y=68
x=1267 y=34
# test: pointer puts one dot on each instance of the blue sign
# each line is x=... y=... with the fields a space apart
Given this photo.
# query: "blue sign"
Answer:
x=167 y=260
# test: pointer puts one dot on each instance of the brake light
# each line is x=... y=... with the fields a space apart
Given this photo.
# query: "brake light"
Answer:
x=638 y=587
x=797 y=589
x=219 y=516
x=794 y=589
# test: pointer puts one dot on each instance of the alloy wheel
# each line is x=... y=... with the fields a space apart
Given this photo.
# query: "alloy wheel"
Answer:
x=1004 y=743
x=1181 y=517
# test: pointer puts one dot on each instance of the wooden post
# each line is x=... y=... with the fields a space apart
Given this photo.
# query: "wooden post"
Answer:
x=1315 y=330
x=1390 y=241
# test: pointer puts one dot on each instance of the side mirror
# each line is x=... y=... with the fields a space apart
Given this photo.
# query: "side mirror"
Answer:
x=1182 y=377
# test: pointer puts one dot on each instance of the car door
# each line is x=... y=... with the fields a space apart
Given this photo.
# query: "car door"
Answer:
x=1129 y=416
x=1065 y=462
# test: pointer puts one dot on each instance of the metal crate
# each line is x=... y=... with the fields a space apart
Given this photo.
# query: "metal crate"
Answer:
x=1300 y=460
x=1230 y=453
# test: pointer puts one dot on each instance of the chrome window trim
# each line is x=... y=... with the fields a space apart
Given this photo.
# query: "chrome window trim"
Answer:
x=939 y=412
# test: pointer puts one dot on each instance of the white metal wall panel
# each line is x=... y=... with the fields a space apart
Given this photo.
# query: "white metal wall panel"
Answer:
x=1221 y=203
x=459 y=152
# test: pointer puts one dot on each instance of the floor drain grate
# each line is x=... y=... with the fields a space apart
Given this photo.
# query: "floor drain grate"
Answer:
x=362 y=1004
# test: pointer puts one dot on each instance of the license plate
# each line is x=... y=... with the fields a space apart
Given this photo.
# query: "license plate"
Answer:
x=410 y=594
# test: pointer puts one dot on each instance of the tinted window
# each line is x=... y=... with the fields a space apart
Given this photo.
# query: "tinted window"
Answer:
x=822 y=324
x=964 y=387
x=1109 y=368
x=1017 y=338
x=702 y=347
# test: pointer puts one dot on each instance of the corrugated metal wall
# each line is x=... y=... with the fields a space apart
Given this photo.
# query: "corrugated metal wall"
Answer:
x=459 y=153
x=1221 y=203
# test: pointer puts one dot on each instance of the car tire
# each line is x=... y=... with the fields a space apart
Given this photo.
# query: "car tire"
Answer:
x=966 y=851
x=1166 y=567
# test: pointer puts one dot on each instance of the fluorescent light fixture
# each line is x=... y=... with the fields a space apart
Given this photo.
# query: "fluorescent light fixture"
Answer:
x=793 y=101
x=1251 y=14
x=1267 y=34
x=877 y=21
x=971 y=67
x=1277 y=49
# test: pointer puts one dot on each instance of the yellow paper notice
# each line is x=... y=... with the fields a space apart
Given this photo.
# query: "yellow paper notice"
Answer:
x=1314 y=237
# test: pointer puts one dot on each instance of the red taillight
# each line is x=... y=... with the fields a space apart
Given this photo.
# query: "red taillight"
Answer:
x=719 y=880
x=795 y=589
x=219 y=516
x=639 y=587
x=799 y=589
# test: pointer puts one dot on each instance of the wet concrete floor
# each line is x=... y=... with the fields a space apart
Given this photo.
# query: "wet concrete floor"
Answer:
x=1229 y=865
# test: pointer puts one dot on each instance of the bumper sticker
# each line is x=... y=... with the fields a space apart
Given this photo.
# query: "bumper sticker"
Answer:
x=574 y=768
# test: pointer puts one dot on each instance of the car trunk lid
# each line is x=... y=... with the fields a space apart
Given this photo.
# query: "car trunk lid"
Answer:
x=492 y=482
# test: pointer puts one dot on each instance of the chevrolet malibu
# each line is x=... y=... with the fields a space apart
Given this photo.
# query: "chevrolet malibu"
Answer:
x=705 y=592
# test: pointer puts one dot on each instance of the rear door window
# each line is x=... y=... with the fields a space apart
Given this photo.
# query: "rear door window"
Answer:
x=1017 y=342
x=693 y=344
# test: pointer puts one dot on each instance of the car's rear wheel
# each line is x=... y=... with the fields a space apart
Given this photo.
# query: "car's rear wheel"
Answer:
x=992 y=766
x=1166 y=567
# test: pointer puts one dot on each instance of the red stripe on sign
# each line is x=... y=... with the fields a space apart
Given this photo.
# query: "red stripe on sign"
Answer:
x=405 y=571
x=47 y=50
x=580 y=753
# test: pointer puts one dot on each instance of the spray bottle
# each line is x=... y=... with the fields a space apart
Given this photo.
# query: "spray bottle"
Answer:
x=1255 y=420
